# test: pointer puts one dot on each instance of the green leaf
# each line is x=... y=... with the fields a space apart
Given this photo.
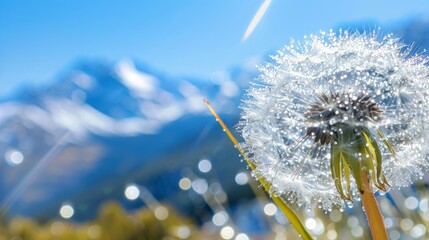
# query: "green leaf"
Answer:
x=372 y=146
x=386 y=142
x=337 y=162
x=347 y=175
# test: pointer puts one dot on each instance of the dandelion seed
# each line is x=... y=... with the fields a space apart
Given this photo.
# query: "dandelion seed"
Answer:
x=334 y=107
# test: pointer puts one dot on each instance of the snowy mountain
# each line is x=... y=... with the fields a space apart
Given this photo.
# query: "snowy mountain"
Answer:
x=102 y=126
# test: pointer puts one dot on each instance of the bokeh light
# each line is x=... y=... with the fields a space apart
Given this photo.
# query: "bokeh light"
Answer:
x=406 y=224
x=241 y=178
x=394 y=235
x=270 y=209
x=227 y=232
x=335 y=215
x=353 y=221
x=205 y=166
x=66 y=211
x=183 y=232
x=310 y=223
x=357 y=231
x=200 y=186
x=132 y=192
x=242 y=236
x=418 y=231
x=14 y=157
x=185 y=184
x=388 y=222
x=423 y=205
x=411 y=203
x=332 y=234
x=220 y=218
x=161 y=213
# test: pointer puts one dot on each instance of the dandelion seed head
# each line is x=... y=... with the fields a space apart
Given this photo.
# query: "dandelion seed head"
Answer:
x=315 y=93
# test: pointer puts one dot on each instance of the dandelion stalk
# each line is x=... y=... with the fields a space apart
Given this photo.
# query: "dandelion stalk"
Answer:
x=293 y=218
x=372 y=212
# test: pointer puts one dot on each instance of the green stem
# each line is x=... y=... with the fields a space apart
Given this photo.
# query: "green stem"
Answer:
x=293 y=218
x=280 y=202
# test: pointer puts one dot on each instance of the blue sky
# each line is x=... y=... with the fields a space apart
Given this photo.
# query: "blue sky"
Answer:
x=187 y=37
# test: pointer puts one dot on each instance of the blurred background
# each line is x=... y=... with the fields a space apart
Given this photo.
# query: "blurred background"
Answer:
x=104 y=134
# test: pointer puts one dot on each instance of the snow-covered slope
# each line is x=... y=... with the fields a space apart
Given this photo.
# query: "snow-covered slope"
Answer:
x=103 y=125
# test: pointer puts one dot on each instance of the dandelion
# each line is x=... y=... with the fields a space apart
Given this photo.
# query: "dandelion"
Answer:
x=337 y=116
